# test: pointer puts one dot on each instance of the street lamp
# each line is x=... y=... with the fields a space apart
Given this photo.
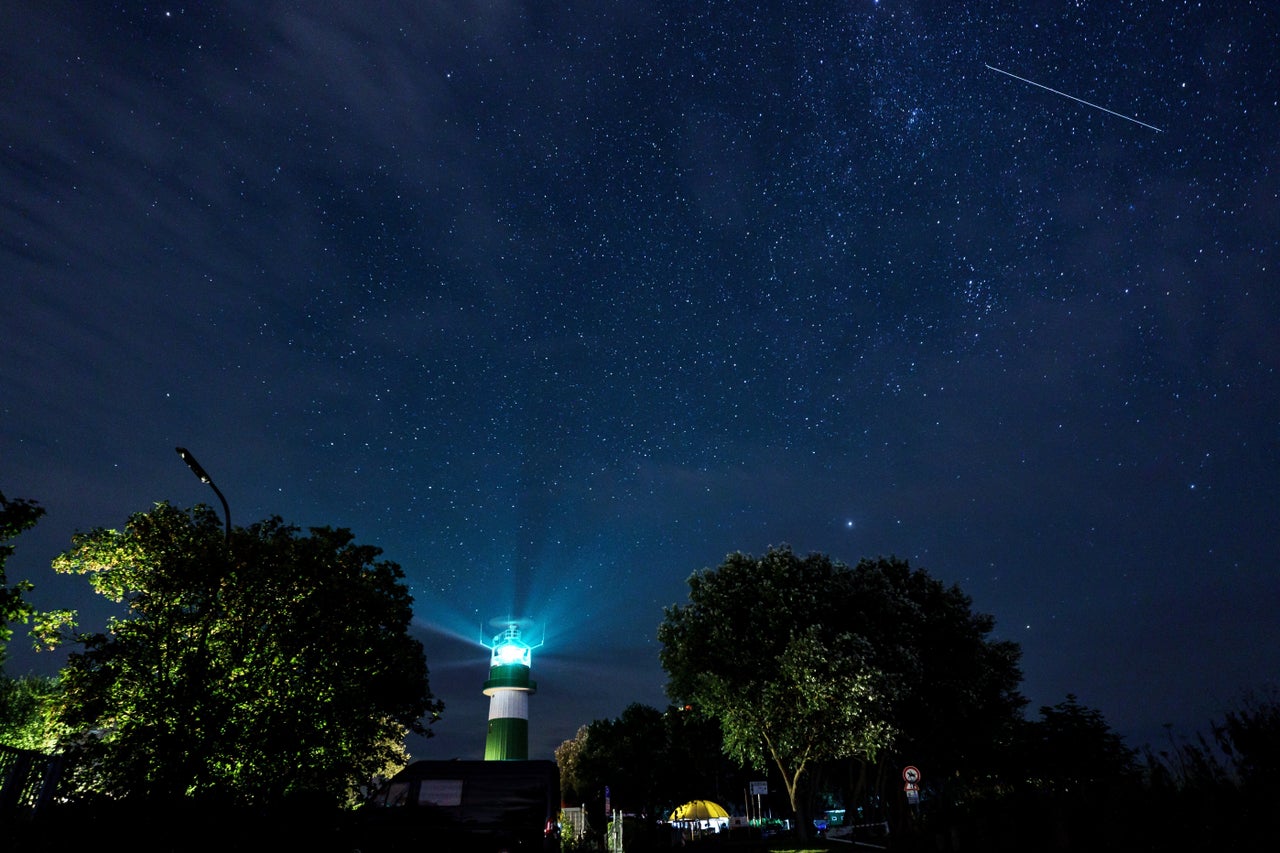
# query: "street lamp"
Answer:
x=205 y=478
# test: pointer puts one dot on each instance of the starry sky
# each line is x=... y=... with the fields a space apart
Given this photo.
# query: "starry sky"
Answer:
x=558 y=303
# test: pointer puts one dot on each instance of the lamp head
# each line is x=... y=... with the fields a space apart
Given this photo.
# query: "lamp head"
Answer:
x=194 y=465
x=509 y=648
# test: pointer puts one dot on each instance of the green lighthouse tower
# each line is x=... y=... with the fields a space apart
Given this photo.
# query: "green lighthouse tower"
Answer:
x=508 y=689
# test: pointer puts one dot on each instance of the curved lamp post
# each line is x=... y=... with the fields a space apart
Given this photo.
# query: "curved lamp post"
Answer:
x=205 y=478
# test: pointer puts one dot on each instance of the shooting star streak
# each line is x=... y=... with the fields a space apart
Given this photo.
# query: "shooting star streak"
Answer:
x=1077 y=100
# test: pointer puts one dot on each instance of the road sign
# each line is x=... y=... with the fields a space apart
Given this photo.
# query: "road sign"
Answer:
x=911 y=775
x=759 y=789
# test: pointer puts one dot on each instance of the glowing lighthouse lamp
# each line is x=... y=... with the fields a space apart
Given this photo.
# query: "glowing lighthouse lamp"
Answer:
x=508 y=689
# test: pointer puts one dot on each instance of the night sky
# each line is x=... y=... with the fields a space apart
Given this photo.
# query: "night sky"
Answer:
x=558 y=303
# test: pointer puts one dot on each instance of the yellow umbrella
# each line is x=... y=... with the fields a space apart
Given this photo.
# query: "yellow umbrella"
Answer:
x=699 y=810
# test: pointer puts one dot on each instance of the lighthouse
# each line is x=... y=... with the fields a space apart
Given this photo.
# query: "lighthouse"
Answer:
x=508 y=689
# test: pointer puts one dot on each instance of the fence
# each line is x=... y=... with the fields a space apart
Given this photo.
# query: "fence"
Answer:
x=28 y=780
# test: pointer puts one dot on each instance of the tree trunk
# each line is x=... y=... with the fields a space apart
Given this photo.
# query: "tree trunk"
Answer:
x=798 y=803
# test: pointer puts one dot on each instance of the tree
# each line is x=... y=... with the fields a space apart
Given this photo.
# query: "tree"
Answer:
x=764 y=647
x=955 y=703
x=697 y=767
x=573 y=788
x=255 y=668
x=25 y=704
x=807 y=661
x=651 y=761
x=1073 y=748
x=15 y=517
x=23 y=723
x=1222 y=787
x=1250 y=736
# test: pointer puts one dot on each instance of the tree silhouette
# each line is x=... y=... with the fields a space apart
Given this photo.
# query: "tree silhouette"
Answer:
x=268 y=666
x=762 y=647
x=16 y=516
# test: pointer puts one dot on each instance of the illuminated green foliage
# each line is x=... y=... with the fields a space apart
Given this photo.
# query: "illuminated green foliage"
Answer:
x=762 y=647
x=24 y=701
x=25 y=707
x=15 y=517
x=806 y=660
x=270 y=666
x=956 y=690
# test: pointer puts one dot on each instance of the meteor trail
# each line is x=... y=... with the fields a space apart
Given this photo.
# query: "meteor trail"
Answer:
x=1074 y=98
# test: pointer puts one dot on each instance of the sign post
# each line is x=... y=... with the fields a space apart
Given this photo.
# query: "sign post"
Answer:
x=911 y=784
x=759 y=789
